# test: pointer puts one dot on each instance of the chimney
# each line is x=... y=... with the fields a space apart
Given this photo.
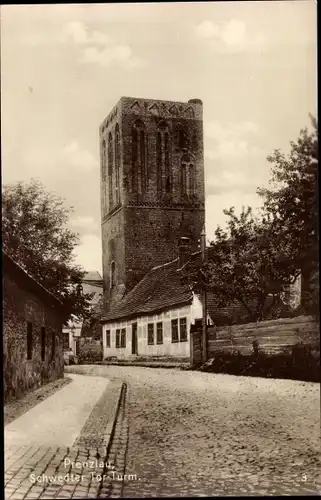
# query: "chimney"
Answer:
x=184 y=249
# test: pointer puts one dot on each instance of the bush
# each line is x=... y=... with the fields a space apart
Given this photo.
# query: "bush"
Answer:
x=90 y=352
x=302 y=362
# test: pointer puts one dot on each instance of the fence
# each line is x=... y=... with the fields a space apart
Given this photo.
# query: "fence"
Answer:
x=270 y=337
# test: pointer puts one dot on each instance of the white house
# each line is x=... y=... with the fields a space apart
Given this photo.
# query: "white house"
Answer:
x=92 y=283
x=154 y=318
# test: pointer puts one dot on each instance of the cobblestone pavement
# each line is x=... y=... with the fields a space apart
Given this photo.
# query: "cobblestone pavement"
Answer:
x=199 y=434
x=84 y=470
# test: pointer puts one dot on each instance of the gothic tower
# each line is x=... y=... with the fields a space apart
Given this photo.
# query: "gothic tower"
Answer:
x=152 y=185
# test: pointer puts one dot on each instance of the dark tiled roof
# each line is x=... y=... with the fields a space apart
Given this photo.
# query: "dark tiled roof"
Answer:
x=236 y=312
x=13 y=268
x=161 y=288
x=93 y=278
x=164 y=287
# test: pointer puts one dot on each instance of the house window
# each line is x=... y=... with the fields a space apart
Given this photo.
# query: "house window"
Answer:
x=183 y=330
x=43 y=343
x=29 y=340
x=123 y=337
x=66 y=340
x=159 y=333
x=118 y=337
x=107 y=338
x=53 y=344
x=112 y=274
x=175 y=337
x=150 y=333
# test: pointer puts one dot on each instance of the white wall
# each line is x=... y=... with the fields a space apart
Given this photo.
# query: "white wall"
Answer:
x=168 y=348
x=73 y=330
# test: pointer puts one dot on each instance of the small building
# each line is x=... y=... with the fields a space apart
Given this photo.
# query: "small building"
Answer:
x=91 y=284
x=158 y=316
x=154 y=318
x=32 y=332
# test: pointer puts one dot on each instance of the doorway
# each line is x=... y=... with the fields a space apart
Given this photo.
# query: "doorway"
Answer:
x=134 y=339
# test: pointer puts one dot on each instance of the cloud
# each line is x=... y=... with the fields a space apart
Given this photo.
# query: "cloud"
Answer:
x=60 y=160
x=216 y=203
x=84 y=222
x=79 y=158
x=88 y=254
x=230 y=140
x=117 y=53
x=231 y=36
x=234 y=159
x=99 y=48
x=215 y=129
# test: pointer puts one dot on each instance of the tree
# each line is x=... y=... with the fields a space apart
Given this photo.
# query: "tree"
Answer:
x=292 y=203
x=247 y=264
x=255 y=260
x=36 y=236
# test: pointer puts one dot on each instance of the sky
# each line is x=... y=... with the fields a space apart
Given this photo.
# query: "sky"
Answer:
x=63 y=67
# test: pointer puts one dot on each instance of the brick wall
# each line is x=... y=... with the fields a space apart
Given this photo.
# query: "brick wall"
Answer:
x=270 y=336
x=20 y=306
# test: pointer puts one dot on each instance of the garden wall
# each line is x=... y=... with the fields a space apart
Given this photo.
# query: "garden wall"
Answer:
x=279 y=340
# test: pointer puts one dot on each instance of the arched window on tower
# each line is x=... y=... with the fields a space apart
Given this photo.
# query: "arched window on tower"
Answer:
x=191 y=180
x=103 y=177
x=159 y=161
x=139 y=157
x=181 y=140
x=134 y=157
x=163 y=160
x=117 y=164
x=142 y=147
x=112 y=274
x=168 y=177
x=187 y=175
x=110 y=171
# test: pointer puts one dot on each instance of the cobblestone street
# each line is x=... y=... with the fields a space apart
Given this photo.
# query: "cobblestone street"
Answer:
x=192 y=433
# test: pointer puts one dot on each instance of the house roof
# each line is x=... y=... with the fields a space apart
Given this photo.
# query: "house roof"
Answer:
x=164 y=287
x=160 y=288
x=93 y=276
x=14 y=269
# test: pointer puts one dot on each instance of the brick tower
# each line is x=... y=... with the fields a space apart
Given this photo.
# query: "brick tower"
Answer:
x=152 y=185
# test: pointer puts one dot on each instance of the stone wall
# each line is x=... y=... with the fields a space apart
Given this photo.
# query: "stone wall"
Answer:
x=20 y=306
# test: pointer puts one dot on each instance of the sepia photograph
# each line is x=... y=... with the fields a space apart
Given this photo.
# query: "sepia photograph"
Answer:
x=160 y=252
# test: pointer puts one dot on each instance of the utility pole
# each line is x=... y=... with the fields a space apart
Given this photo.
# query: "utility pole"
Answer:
x=204 y=300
